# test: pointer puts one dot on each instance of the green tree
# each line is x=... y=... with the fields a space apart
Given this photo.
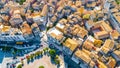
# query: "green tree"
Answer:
x=86 y=16
x=21 y=2
x=52 y=52
x=41 y=67
x=5 y=48
x=44 y=50
x=56 y=60
x=117 y=1
x=22 y=62
x=28 y=59
x=41 y=52
x=47 y=48
x=13 y=52
x=56 y=57
x=19 y=66
x=48 y=28
x=32 y=56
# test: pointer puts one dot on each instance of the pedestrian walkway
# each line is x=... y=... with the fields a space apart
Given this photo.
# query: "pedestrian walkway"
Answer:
x=44 y=61
x=62 y=63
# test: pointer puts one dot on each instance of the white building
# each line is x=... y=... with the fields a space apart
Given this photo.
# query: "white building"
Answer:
x=55 y=37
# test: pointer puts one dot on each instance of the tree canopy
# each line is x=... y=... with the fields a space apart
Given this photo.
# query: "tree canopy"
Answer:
x=41 y=66
x=52 y=52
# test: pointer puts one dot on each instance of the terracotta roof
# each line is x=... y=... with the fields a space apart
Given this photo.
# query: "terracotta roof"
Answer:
x=26 y=29
x=114 y=34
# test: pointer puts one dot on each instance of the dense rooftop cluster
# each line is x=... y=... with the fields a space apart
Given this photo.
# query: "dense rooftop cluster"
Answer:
x=86 y=31
x=22 y=22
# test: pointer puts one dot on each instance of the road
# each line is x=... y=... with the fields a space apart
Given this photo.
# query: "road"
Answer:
x=43 y=42
x=10 y=59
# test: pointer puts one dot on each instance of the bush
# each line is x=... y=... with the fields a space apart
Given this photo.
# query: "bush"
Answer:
x=86 y=16
x=32 y=56
x=52 y=52
x=41 y=66
x=117 y=1
x=47 y=28
x=19 y=66
x=57 y=61
x=28 y=59
x=21 y=2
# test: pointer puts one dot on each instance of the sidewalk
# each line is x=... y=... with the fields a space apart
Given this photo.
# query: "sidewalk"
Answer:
x=62 y=63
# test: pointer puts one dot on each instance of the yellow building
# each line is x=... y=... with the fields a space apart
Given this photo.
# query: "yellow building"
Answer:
x=81 y=10
x=82 y=33
x=88 y=45
x=117 y=52
x=114 y=10
x=71 y=44
x=101 y=64
x=106 y=26
x=111 y=63
x=5 y=28
x=103 y=30
x=79 y=31
x=114 y=34
x=78 y=3
x=109 y=44
x=82 y=55
x=101 y=34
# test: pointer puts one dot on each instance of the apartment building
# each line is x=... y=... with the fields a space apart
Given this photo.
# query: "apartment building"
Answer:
x=101 y=30
x=55 y=37
x=69 y=46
